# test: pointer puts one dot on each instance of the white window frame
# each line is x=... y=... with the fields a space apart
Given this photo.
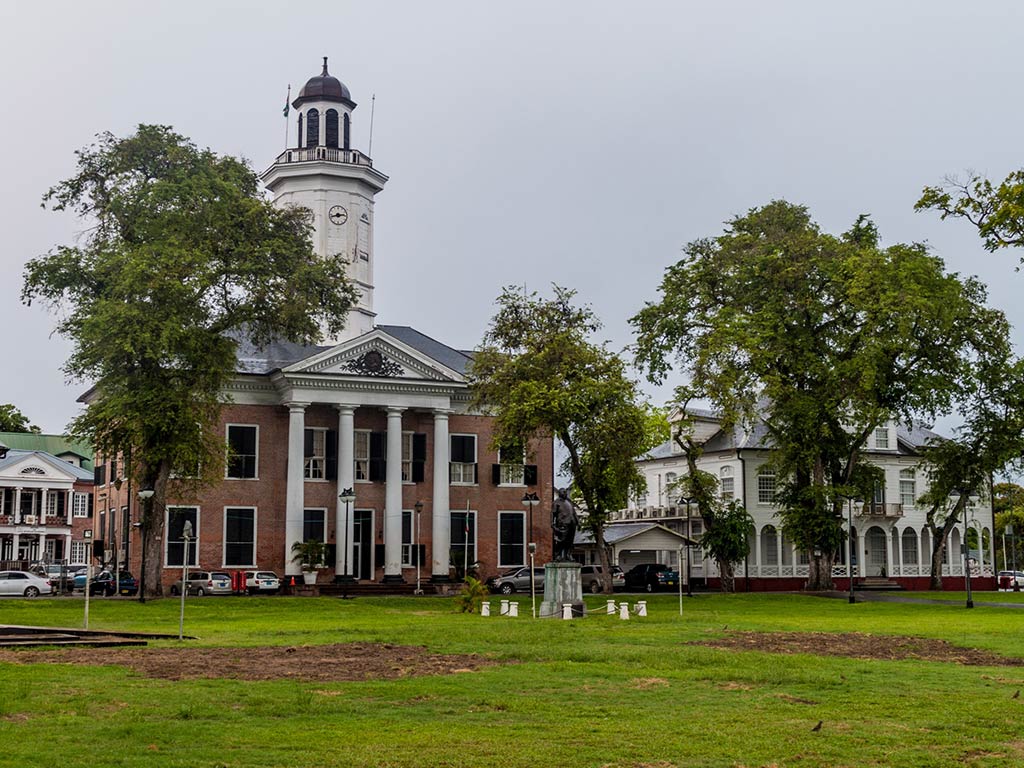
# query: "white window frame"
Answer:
x=315 y=467
x=80 y=505
x=361 y=455
x=727 y=483
x=407 y=545
x=462 y=466
x=51 y=503
x=475 y=543
x=766 y=490
x=224 y=536
x=908 y=487
x=522 y=518
x=79 y=552
x=407 y=458
x=167 y=540
x=512 y=473
x=227 y=443
x=882 y=438
x=323 y=512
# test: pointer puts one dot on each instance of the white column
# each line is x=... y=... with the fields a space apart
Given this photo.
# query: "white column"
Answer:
x=441 y=527
x=15 y=542
x=43 y=507
x=344 y=526
x=69 y=501
x=67 y=548
x=17 y=516
x=393 y=499
x=41 y=544
x=296 y=496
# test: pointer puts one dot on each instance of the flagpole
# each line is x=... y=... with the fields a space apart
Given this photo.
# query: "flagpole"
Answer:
x=287 y=104
x=465 y=552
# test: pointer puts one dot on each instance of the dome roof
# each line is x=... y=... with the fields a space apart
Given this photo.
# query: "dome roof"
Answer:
x=324 y=87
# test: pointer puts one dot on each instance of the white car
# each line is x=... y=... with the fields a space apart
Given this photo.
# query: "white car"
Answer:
x=23 y=584
x=261 y=582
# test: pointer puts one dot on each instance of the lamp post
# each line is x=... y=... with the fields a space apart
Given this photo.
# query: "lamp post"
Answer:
x=87 y=535
x=849 y=545
x=531 y=500
x=346 y=497
x=418 y=506
x=689 y=590
x=1013 y=556
x=680 y=582
x=186 y=535
x=145 y=494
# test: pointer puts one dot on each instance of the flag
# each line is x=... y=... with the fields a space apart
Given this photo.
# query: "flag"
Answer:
x=287 y=101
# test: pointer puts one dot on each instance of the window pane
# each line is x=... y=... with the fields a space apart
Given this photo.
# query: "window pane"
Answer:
x=176 y=518
x=313 y=527
x=240 y=536
x=511 y=539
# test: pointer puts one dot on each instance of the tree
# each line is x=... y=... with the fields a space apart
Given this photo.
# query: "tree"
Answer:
x=13 y=420
x=183 y=255
x=820 y=337
x=540 y=375
x=996 y=211
x=1006 y=496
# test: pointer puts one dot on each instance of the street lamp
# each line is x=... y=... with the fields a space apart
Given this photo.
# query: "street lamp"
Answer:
x=531 y=500
x=145 y=494
x=965 y=550
x=346 y=497
x=418 y=506
x=849 y=546
x=688 y=500
x=186 y=535
x=1013 y=556
x=87 y=535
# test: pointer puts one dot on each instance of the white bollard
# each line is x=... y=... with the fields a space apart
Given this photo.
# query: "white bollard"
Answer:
x=611 y=607
x=624 y=611
x=513 y=610
x=485 y=608
x=566 y=610
x=641 y=608
x=504 y=608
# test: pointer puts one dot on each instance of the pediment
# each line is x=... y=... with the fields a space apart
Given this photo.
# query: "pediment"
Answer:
x=375 y=355
x=33 y=468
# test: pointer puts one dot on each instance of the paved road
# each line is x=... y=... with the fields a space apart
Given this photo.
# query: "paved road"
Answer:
x=889 y=597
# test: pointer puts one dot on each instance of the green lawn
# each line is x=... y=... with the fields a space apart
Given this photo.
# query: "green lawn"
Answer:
x=593 y=692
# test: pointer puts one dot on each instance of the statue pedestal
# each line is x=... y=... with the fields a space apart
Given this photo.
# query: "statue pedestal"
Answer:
x=562 y=584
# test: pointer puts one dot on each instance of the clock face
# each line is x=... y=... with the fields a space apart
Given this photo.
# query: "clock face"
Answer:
x=337 y=214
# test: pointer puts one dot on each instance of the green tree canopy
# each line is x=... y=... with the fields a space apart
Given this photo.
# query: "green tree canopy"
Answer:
x=821 y=337
x=540 y=374
x=997 y=211
x=13 y=420
x=182 y=255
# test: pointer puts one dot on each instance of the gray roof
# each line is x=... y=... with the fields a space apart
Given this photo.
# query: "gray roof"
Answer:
x=664 y=451
x=442 y=353
x=617 y=532
x=910 y=438
x=14 y=455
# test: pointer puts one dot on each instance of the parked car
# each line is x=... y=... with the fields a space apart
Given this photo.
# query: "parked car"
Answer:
x=591 y=576
x=62 y=577
x=1007 y=578
x=517 y=580
x=105 y=584
x=261 y=582
x=202 y=583
x=651 y=577
x=23 y=584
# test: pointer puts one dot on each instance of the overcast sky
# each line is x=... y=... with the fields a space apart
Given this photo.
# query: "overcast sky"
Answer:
x=581 y=143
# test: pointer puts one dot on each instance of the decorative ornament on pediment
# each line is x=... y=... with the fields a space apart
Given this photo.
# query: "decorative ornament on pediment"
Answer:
x=373 y=363
x=33 y=471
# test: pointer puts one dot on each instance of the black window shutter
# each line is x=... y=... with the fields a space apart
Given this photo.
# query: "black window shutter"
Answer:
x=463 y=449
x=61 y=512
x=307 y=443
x=89 y=506
x=378 y=555
x=332 y=454
x=476 y=474
x=530 y=474
x=496 y=474
x=330 y=554
x=378 y=454
x=419 y=456
x=99 y=474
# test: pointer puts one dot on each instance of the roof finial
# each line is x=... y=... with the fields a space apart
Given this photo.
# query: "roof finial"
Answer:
x=324 y=73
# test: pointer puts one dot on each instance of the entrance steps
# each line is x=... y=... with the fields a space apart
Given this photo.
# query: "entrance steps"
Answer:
x=876 y=584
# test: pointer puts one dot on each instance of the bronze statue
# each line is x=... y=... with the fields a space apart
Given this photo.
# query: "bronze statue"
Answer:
x=564 y=522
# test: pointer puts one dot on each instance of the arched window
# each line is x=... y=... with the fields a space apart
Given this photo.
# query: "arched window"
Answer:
x=926 y=546
x=909 y=547
x=671 y=491
x=331 y=129
x=300 y=130
x=787 y=549
x=312 y=128
x=344 y=137
x=769 y=546
x=986 y=546
x=32 y=471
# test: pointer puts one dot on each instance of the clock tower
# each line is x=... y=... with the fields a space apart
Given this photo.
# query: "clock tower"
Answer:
x=337 y=183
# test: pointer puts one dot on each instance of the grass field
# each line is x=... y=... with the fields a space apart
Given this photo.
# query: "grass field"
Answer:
x=593 y=692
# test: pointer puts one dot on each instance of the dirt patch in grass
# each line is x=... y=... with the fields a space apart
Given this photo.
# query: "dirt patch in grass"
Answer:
x=340 y=662
x=857 y=645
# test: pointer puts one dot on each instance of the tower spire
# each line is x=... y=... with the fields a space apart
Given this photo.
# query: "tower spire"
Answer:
x=324 y=73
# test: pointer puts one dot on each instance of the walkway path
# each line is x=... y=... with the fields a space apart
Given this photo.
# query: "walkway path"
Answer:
x=890 y=597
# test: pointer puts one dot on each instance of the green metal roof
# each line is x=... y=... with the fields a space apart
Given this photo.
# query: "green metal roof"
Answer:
x=52 y=444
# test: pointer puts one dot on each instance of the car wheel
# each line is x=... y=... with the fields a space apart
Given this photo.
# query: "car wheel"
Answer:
x=594 y=587
x=31 y=591
x=200 y=592
x=506 y=589
x=650 y=587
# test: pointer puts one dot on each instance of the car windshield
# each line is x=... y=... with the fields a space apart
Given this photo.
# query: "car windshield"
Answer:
x=266 y=575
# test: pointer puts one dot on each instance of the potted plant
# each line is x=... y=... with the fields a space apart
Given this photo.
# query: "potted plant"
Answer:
x=310 y=554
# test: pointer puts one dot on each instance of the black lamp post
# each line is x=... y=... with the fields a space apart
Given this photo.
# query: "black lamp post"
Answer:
x=418 y=506
x=346 y=497
x=1013 y=557
x=689 y=530
x=145 y=495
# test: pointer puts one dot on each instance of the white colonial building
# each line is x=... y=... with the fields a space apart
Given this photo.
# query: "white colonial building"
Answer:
x=890 y=539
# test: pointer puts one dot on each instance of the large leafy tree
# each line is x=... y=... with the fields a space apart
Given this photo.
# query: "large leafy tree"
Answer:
x=13 y=420
x=540 y=374
x=822 y=338
x=997 y=211
x=182 y=254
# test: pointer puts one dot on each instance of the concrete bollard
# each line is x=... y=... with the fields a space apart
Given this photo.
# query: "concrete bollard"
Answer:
x=485 y=608
x=504 y=608
x=624 y=611
x=611 y=607
x=513 y=610
x=566 y=610
x=641 y=608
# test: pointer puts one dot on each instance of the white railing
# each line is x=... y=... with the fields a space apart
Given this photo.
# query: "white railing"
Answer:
x=330 y=154
x=839 y=570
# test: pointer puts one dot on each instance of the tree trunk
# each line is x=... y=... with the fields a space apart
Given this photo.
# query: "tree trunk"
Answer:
x=819 y=577
x=727 y=575
x=606 y=560
x=153 y=528
x=938 y=549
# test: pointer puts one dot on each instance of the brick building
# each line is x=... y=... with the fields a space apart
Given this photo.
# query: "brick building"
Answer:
x=382 y=410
